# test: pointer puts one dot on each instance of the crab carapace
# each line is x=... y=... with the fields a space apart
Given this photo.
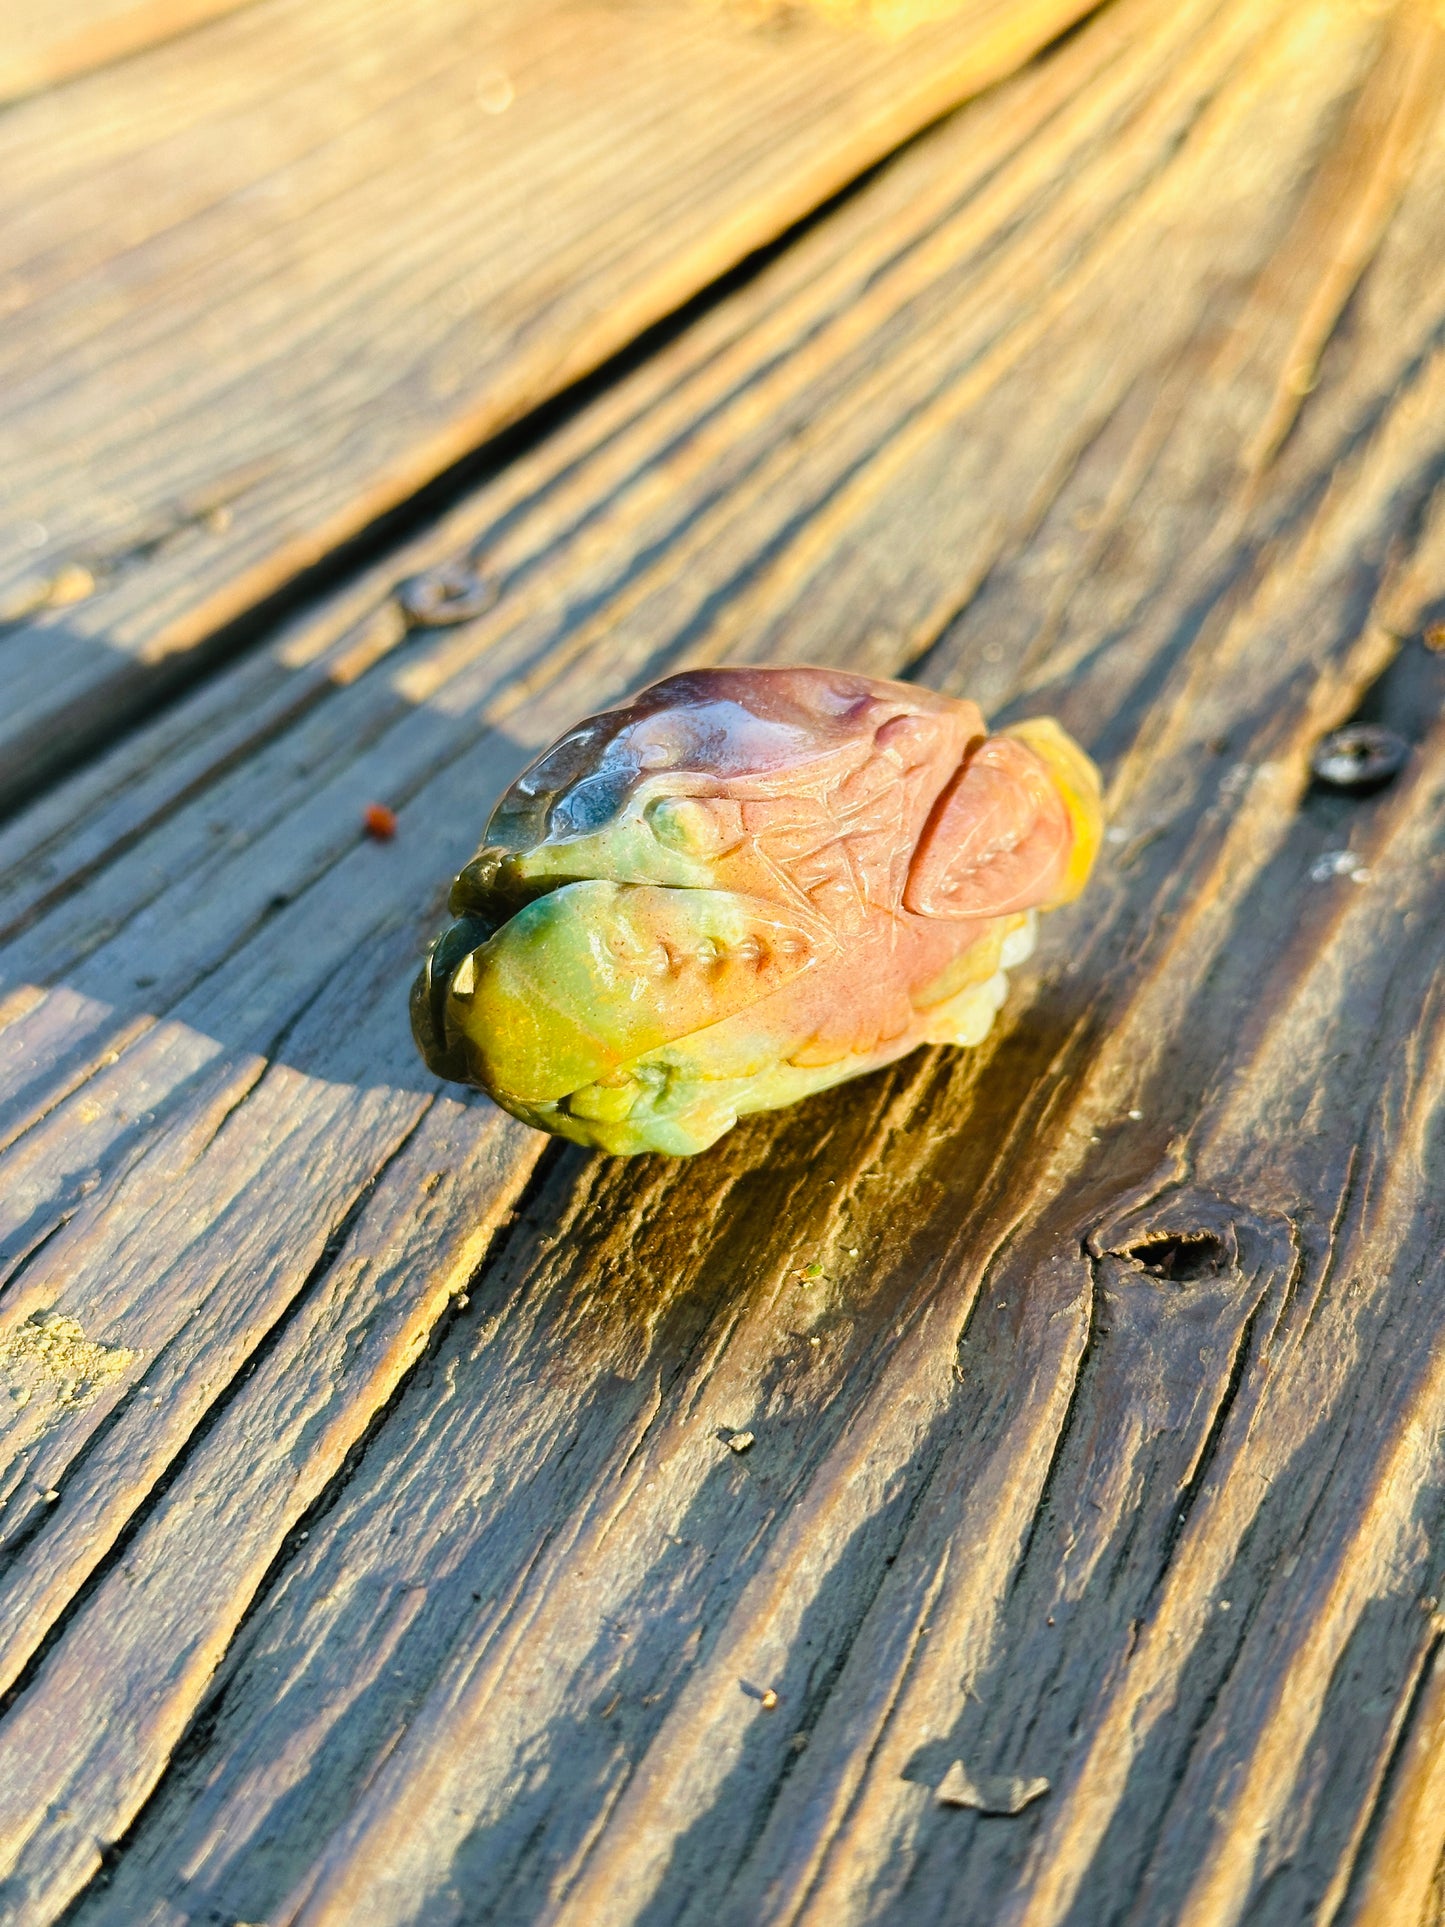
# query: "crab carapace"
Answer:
x=741 y=886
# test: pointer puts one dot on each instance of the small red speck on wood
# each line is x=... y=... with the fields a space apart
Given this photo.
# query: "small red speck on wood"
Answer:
x=379 y=822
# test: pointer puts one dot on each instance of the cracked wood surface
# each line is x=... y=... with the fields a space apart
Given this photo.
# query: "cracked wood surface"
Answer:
x=261 y=282
x=397 y=1567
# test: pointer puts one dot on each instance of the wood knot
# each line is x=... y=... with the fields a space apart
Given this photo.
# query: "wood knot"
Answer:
x=1186 y=1235
x=1181 y=1257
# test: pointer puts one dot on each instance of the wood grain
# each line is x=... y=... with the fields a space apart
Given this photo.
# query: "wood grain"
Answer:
x=42 y=44
x=261 y=283
x=1107 y=1446
x=1401 y=1882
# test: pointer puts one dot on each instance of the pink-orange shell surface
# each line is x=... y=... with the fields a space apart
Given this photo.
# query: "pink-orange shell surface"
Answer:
x=741 y=886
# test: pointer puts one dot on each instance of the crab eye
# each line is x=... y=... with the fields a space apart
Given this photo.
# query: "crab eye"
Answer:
x=686 y=824
x=589 y=805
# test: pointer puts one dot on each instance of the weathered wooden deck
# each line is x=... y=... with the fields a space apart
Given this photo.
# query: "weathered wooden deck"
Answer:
x=373 y=1548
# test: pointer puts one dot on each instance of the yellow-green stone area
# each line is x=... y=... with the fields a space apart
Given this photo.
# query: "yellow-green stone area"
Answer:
x=742 y=887
x=585 y=980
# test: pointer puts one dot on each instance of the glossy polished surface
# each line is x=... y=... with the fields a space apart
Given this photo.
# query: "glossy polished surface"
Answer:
x=740 y=887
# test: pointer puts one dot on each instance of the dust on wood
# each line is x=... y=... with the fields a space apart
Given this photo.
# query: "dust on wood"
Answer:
x=47 y=1365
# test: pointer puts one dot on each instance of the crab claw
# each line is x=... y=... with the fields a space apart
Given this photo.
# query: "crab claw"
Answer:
x=1016 y=829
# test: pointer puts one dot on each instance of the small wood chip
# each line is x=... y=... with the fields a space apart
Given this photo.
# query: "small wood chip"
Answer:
x=741 y=1442
x=998 y=1793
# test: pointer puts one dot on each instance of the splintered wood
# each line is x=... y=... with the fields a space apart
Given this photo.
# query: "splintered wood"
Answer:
x=1007 y=1491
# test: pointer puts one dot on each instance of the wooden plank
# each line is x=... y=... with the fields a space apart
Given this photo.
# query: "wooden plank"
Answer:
x=942 y=436
x=41 y=44
x=261 y=283
x=1400 y=1886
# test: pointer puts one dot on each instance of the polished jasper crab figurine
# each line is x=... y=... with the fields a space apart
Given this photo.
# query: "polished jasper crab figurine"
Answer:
x=742 y=886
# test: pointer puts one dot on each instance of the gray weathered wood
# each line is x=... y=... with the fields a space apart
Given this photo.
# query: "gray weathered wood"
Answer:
x=262 y=281
x=1025 y=419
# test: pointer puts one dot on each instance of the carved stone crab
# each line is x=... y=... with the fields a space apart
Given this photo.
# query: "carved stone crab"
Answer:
x=742 y=886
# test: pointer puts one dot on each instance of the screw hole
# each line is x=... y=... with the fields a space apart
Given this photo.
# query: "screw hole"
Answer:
x=453 y=593
x=1179 y=1256
x=1359 y=758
